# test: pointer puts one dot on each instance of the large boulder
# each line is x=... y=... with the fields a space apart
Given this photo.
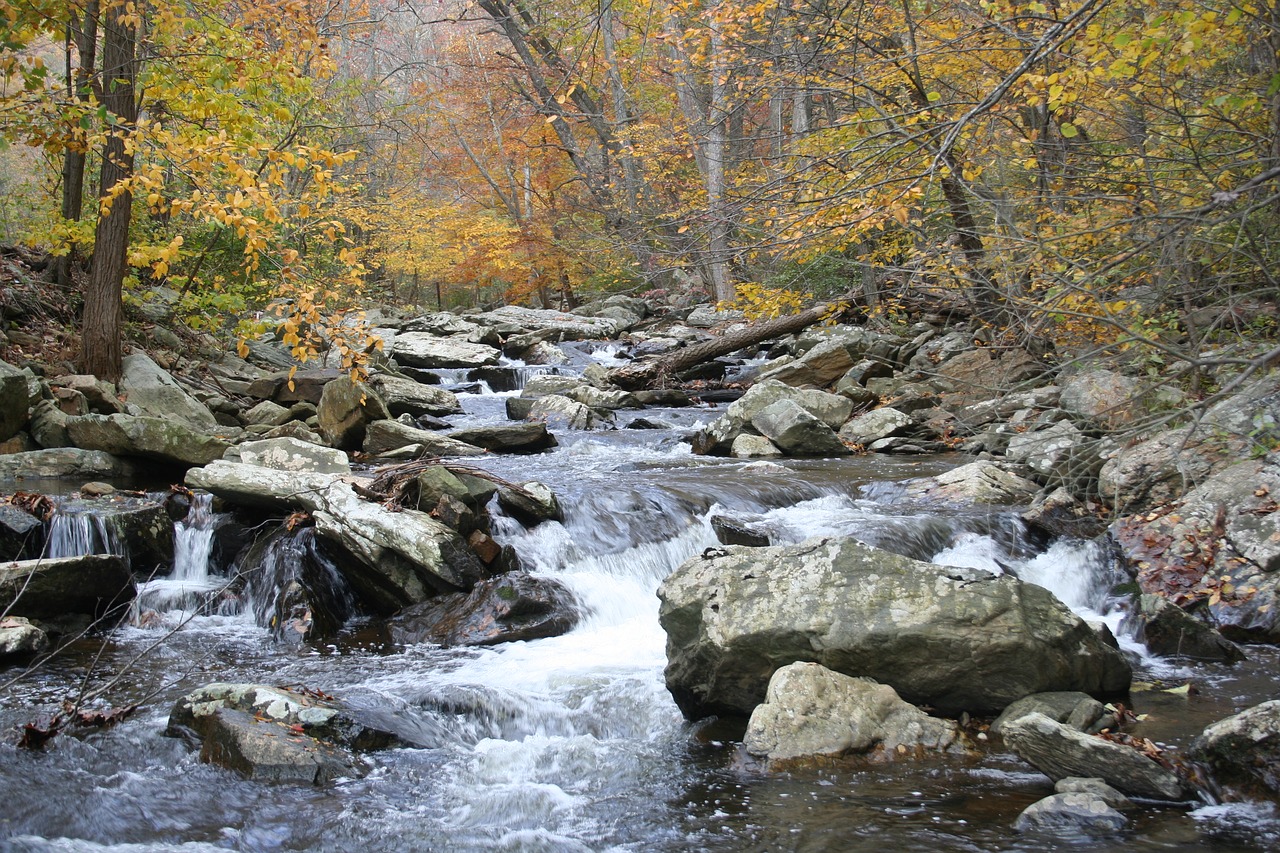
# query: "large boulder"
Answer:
x=1108 y=399
x=796 y=432
x=345 y=411
x=811 y=711
x=564 y=413
x=718 y=436
x=149 y=391
x=63 y=462
x=981 y=374
x=95 y=584
x=1243 y=751
x=875 y=425
x=161 y=439
x=501 y=610
x=20 y=639
x=956 y=639
x=14 y=400
x=408 y=397
x=418 y=349
x=1059 y=751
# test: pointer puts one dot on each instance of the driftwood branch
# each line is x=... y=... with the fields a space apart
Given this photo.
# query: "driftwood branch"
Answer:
x=648 y=374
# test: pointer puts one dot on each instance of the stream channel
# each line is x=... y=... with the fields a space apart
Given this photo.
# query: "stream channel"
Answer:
x=573 y=743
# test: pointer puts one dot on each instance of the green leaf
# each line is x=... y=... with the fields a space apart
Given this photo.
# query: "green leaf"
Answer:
x=1068 y=130
x=934 y=96
x=1122 y=39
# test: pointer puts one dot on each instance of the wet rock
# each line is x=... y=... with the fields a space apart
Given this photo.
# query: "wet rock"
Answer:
x=97 y=585
x=984 y=481
x=667 y=398
x=1095 y=787
x=297 y=586
x=20 y=639
x=955 y=639
x=505 y=609
x=810 y=711
x=161 y=439
x=731 y=531
x=1167 y=629
x=418 y=349
x=385 y=436
x=565 y=413
x=63 y=462
x=1076 y=813
x=508 y=438
x=874 y=425
x=150 y=391
x=290 y=454
x=1059 y=751
x=1242 y=752
x=21 y=533
x=14 y=400
x=1073 y=709
x=346 y=410
x=531 y=504
x=796 y=432
x=408 y=397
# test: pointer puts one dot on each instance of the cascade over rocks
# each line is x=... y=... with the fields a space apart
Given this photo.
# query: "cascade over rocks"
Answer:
x=956 y=639
x=408 y=556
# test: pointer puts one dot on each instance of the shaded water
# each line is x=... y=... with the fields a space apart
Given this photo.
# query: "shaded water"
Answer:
x=572 y=743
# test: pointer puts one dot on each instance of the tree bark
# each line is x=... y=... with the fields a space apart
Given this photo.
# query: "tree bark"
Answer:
x=101 y=328
x=650 y=373
x=84 y=34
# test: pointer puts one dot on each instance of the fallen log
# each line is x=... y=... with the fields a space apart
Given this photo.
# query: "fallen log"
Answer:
x=650 y=374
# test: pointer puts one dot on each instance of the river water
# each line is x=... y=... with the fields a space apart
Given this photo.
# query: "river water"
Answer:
x=572 y=743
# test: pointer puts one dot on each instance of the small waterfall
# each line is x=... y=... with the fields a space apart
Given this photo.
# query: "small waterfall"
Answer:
x=191 y=585
x=76 y=532
x=294 y=588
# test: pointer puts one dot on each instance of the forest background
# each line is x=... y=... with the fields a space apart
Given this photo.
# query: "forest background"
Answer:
x=1093 y=175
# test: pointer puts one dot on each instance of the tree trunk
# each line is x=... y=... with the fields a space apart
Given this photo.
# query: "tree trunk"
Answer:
x=85 y=36
x=103 y=320
x=650 y=373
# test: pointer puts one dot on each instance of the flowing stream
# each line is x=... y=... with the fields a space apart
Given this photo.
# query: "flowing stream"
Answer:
x=572 y=743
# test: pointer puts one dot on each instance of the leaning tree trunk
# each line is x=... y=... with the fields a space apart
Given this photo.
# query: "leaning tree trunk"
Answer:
x=103 y=321
x=651 y=373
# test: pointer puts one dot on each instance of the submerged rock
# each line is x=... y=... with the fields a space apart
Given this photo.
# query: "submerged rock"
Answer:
x=956 y=639
x=810 y=711
x=276 y=735
x=1060 y=751
x=501 y=610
